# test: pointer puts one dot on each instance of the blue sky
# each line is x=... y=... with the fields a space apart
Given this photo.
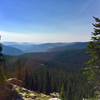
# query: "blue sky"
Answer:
x=47 y=20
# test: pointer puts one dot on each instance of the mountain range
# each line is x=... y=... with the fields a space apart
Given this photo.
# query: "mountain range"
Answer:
x=70 y=56
x=13 y=48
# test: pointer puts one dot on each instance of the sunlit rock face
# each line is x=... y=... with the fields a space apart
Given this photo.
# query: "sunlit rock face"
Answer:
x=13 y=89
x=32 y=95
x=7 y=92
x=15 y=81
x=54 y=99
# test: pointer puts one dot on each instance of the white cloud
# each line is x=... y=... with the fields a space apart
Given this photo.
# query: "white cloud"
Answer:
x=42 y=37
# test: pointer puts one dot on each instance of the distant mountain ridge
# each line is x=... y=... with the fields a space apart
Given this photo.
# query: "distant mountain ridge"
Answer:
x=13 y=48
x=67 y=60
x=9 y=50
x=71 y=46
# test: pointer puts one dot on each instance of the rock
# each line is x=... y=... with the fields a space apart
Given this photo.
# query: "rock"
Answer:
x=15 y=81
x=54 y=95
x=54 y=99
x=7 y=93
x=14 y=90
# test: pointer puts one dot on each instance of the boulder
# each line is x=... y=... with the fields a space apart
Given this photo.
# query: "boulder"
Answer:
x=6 y=92
x=15 y=81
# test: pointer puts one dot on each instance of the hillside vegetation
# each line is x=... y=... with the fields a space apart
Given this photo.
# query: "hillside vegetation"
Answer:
x=66 y=73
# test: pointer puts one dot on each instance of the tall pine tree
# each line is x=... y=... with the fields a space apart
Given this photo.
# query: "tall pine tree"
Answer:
x=92 y=71
x=2 y=77
x=62 y=92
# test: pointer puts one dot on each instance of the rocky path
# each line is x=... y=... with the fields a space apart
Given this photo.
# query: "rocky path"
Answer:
x=30 y=95
x=13 y=90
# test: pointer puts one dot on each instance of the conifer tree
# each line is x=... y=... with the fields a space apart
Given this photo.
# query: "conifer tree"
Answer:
x=2 y=77
x=92 y=71
x=62 y=93
x=48 y=82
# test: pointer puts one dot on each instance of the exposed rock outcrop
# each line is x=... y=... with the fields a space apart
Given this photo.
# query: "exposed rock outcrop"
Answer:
x=13 y=90
x=15 y=81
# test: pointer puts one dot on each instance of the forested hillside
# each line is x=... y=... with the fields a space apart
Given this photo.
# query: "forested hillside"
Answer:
x=50 y=71
x=61 y=70
x=49 y=49
x=67 y=59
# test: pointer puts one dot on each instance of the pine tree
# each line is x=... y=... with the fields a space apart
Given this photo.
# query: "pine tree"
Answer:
x=2 y=77
x=92 y=71
x=48 y=82
x=62 y=93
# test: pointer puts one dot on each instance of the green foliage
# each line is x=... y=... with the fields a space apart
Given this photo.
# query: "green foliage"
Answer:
x=70 y=85
x=50 y=79
x=92 y=71
x=62 y=92
x=2 y=76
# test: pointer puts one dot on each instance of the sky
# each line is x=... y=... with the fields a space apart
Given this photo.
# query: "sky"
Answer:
x=47 y=20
